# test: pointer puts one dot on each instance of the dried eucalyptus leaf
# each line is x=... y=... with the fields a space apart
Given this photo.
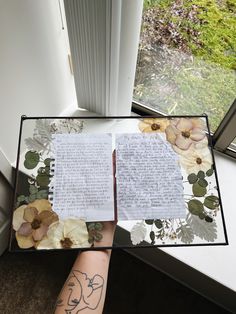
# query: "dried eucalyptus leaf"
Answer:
x=195 y=207
x=211 y=202
x=192 y=178
x=42 y=179
x=198 y=190
x=33 y=189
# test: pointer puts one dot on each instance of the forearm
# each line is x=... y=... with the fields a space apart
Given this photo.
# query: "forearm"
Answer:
x=85 y=288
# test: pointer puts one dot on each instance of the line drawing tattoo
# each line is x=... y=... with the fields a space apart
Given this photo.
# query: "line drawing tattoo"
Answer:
x=87 y=294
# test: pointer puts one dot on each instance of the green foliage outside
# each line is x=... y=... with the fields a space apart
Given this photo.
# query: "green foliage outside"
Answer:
x=187 y=57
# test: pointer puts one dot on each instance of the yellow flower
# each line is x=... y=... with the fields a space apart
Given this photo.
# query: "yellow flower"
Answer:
x=31 y=222
x=184 y=132
x=196 y=160
x=70 y=233
x=153 y=125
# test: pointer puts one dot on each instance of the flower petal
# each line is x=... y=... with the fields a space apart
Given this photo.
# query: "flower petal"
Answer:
x=183 y=142
x=184 y=124
x=41 y=205
x=197 y=134
x=143 y=127
x=18 y=217
x=48 y=217
x=149 y=120
x=24 y=242
x=55 y=234
x=39 y=233
x=30 y=213
x=25 y=229
x=171 y=134
x=45 y=244
x=76 y=230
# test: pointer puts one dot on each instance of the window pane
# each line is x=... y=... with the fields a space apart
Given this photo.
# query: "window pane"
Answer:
x=187 y=57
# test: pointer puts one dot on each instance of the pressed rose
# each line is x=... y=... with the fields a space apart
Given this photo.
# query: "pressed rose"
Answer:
x=31 y=222
x=196 y=160
x=184 y=132
x=70 y=233
x=153 y=125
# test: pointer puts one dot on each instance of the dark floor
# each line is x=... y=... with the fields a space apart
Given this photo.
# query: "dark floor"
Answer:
x=30 y=283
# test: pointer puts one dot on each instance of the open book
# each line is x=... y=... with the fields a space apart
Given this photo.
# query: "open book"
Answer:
x=156 y=176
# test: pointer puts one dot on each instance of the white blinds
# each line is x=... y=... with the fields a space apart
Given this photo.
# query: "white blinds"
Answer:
x=104 y=37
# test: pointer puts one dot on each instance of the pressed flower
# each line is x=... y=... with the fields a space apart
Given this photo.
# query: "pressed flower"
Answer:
x=184 y=132
x=70 y=233
x=31 y=222
x=138 y=233
x=196 y=160
x=153 y=125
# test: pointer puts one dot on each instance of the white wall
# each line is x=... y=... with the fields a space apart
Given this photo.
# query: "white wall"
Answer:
x=35 y=77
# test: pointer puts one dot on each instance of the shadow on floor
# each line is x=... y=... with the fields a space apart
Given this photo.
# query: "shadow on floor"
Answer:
x=30 y=283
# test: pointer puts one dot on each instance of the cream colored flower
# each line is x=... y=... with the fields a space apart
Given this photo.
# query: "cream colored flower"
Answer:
x=31 y=222
x=70 y=233
x=153 y=125
x=184 y=132
x=196 y=160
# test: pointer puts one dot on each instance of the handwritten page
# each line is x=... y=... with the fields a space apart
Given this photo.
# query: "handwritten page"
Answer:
x=149 y=181
x=83 y=179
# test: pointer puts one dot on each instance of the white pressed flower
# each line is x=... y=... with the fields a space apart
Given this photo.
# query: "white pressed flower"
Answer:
x=70 y=233
x=196 y=160
x=138 y=233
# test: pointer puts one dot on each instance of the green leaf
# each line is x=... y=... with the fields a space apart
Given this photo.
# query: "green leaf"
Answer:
x=97 y=236
x=42 y=179
x=149 y=221
x=198 y=190
x=33 y=189
x=47 y=161
x=91 y=226
x=152 y=236
x=42 y=194
x=195 y=207
x=31 y=160
x=158 y=223
x=209 y=172
x=211 y=202
x=192 y=178
x=201 y=174
x=21 y=198
x=203 y=183
x=98 y=226
x=32 y=197
x=47 y=170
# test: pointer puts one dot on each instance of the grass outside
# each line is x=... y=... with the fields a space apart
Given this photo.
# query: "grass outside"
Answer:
x=187 y=57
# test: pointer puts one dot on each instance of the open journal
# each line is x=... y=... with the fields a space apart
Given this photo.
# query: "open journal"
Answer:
x=155 y=176
x=148 y=178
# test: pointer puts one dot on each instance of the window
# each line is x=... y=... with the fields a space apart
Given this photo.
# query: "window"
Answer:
x=187 y=58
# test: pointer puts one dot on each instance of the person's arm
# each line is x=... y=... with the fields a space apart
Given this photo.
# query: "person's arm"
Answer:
x=85 y=289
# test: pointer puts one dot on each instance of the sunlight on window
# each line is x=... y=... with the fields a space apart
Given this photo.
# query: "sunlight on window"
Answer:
x=187 y=57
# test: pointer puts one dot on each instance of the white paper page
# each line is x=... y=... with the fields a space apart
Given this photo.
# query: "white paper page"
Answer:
x=149 y=180
x=83 y=176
